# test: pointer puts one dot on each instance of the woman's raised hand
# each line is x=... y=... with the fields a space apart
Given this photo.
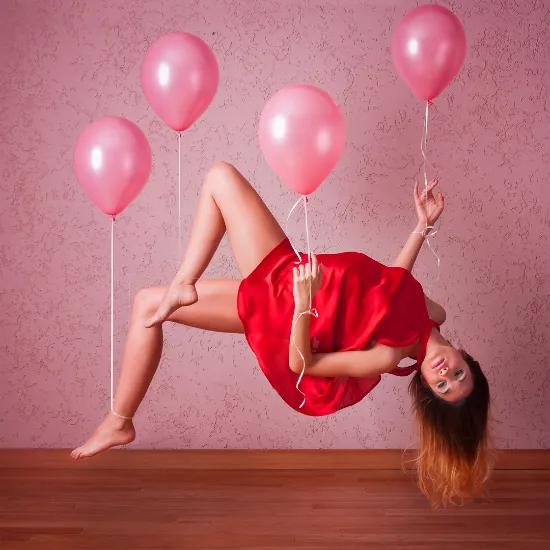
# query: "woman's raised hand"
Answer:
x=428 y=206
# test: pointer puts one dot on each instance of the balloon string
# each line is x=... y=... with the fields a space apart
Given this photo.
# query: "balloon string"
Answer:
x=424 y=143
x=304 y=200
x=113 y=322
x=423 y=148
x=296 y=204
x=179 y=195
x=112 y=311
x=311 y=310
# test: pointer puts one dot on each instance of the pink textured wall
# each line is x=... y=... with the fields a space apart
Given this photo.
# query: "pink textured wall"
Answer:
x=65 y=63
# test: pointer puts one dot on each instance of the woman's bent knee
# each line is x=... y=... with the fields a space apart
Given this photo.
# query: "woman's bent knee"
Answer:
x=146 y=302
x=222 y=168
x=222 y=173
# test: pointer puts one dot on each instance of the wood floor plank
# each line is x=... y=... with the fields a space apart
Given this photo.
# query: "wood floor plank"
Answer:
x=245 y=459
x=148 y=509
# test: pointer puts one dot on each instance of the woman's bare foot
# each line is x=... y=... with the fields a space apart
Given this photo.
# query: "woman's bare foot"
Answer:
x=112 y=432
x=178 y=295
x=188 y=295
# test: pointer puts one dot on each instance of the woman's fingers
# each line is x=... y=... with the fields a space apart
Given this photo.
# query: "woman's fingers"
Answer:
x=421 y=195
x=415 y=193
x=305 y=272
x=430 y=187
x=432 y=184
x=314 y=266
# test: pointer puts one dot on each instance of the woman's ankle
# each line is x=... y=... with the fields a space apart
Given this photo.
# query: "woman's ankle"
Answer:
x=185 y=280
x=120 y=421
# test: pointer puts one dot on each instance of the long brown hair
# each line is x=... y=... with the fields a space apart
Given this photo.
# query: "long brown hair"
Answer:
x=454 y=460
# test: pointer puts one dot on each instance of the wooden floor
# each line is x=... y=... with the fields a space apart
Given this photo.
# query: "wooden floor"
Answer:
x=262 y=510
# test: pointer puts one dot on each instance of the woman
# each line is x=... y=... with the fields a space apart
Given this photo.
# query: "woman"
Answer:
x=370 y=318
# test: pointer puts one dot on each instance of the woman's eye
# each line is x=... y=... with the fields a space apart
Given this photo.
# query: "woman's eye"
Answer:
x=459 y=372
x=441 y=385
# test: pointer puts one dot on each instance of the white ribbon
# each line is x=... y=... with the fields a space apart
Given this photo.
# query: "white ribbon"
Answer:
x=296 y=204
x=426 y=231
x=113 y=321
x=179 y=196
x=112 y=309
x=311 y=310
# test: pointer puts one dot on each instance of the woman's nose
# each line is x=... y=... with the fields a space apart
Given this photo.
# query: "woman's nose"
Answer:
x=443 y=371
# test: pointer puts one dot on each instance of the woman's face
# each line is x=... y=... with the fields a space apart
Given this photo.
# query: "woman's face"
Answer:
x=447 y=374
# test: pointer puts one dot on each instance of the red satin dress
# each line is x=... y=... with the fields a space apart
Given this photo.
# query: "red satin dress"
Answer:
x=360 y=300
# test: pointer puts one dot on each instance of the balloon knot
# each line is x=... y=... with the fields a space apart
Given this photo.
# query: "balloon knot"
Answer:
x=112 y=218
x=430 y=102
x=305 y=199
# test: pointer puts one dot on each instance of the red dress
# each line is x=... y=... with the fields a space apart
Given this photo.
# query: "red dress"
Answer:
x=360 y=300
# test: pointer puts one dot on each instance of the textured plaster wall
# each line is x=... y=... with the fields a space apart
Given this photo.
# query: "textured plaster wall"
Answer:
x=64 y=63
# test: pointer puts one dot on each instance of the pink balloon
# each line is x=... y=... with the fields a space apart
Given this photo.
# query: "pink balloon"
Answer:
x=429 y=47
x=179 y=77
x=302 y=136
x=112 y=162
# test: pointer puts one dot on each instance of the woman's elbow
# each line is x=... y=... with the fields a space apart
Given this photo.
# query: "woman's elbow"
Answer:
x=296 y=366
x=296 y=369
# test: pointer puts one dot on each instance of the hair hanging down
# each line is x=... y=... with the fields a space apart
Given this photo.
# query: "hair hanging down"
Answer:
x=454 y=460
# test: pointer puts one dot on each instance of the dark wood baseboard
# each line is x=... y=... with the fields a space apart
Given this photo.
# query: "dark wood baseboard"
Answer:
x=365 y=459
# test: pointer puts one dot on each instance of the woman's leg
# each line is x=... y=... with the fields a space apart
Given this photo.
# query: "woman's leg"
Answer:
x=216 y=310
x=227 y=203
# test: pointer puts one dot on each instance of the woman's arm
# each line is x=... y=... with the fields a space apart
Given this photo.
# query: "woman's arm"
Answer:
x=356 y=364
x=409 y=253
x=307 y=281
x=406 y=260
x=428 y=210
x=300 y=322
